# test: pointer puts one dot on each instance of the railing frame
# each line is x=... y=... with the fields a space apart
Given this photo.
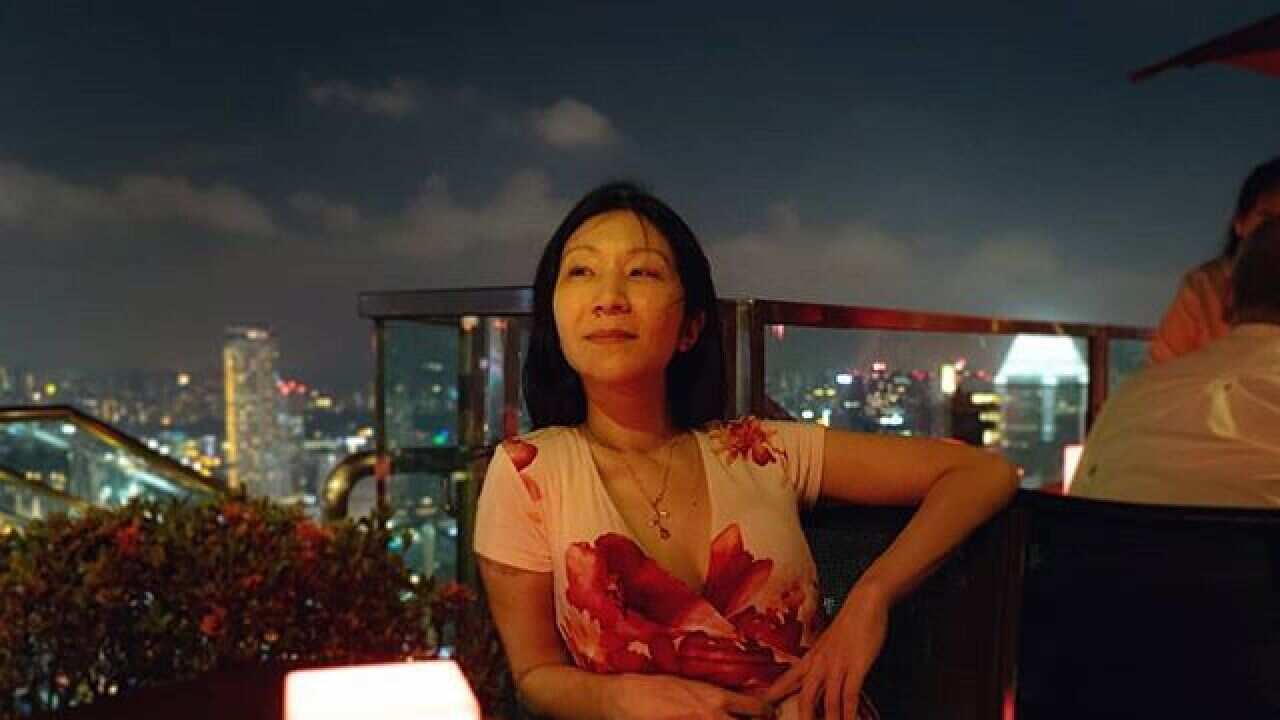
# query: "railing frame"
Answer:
x=744 y=323
x=181 y=474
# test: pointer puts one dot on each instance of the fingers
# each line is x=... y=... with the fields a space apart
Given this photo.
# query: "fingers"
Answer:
x=747 y=705
x=833 y=695
x=788 y=682
x=809 y=697
x=852 y=695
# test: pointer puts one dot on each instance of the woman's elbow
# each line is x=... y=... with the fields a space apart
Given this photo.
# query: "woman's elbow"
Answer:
x=1004 y=476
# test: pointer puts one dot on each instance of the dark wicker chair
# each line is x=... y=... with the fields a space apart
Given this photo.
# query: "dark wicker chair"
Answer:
x=950 y=647
x=1148 y=611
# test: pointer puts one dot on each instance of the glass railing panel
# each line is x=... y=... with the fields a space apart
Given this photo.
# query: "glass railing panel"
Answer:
x=424 y=504
x=70 y=458
x=440 y=376
x=23 y=502
x=506 y=345
x=1023 y=395
x=1125 y=358
x=421 y=384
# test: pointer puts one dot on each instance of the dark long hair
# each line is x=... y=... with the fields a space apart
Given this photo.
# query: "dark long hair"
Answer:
x=695 y=378
x=1262 y=180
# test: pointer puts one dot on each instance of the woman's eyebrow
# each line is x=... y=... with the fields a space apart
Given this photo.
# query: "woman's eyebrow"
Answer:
x=653 y=250
x=581 y=246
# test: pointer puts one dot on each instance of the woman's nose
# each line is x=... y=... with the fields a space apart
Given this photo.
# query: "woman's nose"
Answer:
x=612 y=298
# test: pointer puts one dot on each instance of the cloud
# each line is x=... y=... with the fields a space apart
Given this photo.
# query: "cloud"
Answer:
x=219 y=207
x=571 y=123
x=1007 y=273
x=507 y=230
x=47 y=205
x=332 y=217
x=847 y=262
x=397 y=99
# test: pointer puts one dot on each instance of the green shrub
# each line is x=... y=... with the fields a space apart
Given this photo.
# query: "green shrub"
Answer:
x=159 y=592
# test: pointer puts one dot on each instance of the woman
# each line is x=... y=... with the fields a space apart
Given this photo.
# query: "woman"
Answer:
x=643 y=560
x=1201 y=309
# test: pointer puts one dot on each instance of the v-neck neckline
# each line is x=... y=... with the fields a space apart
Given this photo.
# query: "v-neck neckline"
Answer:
x=618 y=521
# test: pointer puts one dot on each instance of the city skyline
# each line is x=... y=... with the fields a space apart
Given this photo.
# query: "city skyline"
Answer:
x=167 y=171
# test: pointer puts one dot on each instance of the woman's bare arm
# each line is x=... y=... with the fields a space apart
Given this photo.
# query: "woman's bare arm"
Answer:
x=524 y=611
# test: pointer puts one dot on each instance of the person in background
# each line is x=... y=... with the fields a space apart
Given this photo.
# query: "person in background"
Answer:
x=1203 y=428
x=643 y=558
x=1201 y=306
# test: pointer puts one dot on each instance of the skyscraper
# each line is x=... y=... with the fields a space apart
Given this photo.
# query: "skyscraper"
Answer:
x=256 y=452
x=1044 y=384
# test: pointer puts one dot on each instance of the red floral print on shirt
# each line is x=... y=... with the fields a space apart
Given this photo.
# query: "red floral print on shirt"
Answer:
x=748 y=438
x=522 y=455
x=627 y=614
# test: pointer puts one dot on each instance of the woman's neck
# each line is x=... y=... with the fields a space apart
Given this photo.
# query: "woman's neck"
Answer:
x=632 y=418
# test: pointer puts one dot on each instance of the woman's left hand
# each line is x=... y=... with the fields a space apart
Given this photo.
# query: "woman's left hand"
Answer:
x=831 y=673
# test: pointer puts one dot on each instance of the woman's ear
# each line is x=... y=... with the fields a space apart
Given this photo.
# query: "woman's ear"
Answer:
x=1237 y=227
x=691 y=331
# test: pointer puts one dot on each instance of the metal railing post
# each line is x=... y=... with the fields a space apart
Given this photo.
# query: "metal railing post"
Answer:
x=1099 y=366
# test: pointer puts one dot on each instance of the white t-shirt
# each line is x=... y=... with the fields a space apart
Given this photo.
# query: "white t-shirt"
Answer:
x=1201 y=429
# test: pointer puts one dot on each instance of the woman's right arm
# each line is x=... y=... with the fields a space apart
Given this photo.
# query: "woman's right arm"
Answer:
x=548 y=683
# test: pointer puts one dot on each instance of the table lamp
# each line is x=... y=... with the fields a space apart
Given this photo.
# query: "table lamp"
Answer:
x=432 y=690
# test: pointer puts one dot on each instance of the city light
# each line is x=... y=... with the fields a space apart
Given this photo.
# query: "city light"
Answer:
x=1070 y=461
x=184 y=379
x=947 y=379
x=844 y=378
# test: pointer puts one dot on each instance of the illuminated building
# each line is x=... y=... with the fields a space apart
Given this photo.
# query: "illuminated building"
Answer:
x=1044 y=381
x=255 y=441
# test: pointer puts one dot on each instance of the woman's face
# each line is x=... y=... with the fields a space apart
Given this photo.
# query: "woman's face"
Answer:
x=1267 y=208
x=619 y=302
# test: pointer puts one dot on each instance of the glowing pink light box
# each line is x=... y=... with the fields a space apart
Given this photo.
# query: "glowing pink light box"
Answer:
x=394 y=691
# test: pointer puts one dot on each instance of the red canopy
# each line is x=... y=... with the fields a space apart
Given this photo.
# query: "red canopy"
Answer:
x=1254 y=47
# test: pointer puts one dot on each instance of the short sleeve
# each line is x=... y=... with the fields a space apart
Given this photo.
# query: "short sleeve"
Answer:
x=1198 y=314
x=510 y=526
x=802 y=464
x=1179 y=328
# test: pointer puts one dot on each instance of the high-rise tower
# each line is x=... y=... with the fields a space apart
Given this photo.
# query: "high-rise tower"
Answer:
x=256 y=457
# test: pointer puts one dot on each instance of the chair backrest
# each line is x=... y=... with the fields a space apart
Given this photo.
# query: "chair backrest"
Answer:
x=1148 y=611
x=950 y=647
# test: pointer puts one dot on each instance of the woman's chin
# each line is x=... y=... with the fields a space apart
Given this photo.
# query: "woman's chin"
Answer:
x=620 y=375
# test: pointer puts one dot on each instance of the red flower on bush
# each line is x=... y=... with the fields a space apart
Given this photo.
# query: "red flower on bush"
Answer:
x=748 y=438
x=452 y=598
x=214 y=622
x=235 y=512
x=629 y=615
x=311 y=534
x=128 y=539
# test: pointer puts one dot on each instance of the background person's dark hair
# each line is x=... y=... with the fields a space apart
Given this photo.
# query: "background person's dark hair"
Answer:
x=1255 y=280
x=695 y=378
x=1261 y=180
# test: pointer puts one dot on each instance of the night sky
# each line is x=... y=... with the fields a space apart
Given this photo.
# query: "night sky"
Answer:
x=166 y=172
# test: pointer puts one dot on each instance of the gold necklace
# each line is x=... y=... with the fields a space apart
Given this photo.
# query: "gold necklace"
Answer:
x=659 y=515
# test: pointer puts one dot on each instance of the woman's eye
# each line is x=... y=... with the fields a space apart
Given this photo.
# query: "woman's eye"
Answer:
x=646 y=272
x=577 y=271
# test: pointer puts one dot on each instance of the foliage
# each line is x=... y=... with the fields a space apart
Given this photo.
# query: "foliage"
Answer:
x=158 y=592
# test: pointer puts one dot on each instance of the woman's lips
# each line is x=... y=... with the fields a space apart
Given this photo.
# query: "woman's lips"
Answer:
x=610 y=336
